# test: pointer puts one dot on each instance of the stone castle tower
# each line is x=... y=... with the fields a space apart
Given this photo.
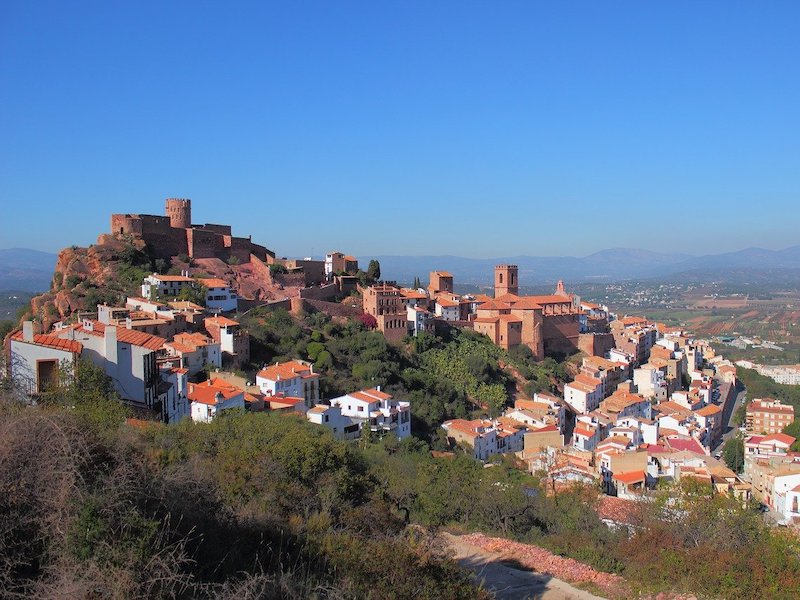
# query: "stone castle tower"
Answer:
x=505 y=280
x=179 y=211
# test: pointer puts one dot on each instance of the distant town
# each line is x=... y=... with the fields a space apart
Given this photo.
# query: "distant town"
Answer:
x=646 y=403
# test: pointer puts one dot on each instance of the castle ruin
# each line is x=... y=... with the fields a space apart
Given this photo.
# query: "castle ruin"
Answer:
x=174 y=234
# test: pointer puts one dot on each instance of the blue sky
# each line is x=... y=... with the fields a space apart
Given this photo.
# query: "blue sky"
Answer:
x=468 y=128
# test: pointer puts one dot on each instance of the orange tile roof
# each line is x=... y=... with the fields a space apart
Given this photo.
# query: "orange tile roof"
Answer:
x=443 y=274
x=510 y=318
x=779 y=437
x=706 y=411
x=446 y=302
x=287 y=370
x=213 y=282
x=630 y=477
x=51 y=341
x=127 y=336
x=221 y=321
x=206 y=392
x=494 y=305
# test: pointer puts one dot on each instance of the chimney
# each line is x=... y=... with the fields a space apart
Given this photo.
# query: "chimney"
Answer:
x=27 y=331
x=218 y=397
x=110 y=347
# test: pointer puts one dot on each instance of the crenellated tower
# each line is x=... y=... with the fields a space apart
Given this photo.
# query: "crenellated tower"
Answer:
x=179 y=211
x=506 y=280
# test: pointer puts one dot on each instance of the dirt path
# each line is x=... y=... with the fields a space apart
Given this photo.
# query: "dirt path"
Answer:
x=508 y=582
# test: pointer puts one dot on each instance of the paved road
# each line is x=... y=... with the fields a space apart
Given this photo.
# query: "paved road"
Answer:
x=507 y=582
x=732 y=427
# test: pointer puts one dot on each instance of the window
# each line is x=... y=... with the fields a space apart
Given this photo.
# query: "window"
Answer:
x=360 y=409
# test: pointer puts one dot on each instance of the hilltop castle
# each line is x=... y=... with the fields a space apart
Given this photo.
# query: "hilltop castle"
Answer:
x=173 y=234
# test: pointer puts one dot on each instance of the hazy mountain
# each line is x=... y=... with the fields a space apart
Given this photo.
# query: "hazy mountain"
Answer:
x=606 y=265
x=25 y=269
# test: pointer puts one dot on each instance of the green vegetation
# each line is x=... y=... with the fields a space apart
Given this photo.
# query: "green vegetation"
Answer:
x=277 y=269
x=270 y=503
x=760 y=386
x=444 y=378
x=733 y=453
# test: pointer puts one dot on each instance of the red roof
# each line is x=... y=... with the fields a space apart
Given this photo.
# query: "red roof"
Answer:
x=206 y=393
x=221 y=321
x=287 y=370
x=51 y=341
x=779 y=437
x=685 y=444
x=630 y=477
x=127 y=336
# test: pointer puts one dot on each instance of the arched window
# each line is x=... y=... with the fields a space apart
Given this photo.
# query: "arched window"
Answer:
x=501 y=277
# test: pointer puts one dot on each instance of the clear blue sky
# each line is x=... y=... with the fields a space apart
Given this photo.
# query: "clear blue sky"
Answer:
x=468 y=128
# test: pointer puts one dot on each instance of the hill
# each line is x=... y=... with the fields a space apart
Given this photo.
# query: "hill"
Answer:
x=607 y=265
x=26 y=270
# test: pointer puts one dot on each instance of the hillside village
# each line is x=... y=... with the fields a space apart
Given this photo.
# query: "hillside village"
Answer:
x=645 y=403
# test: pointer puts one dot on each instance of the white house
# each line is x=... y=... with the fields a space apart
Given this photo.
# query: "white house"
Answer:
x=219 y=295
x=292 y=378
x=195 y=351
x=481 y=436
x=36 y=359
x=172 y=394
x=583 y=397
x=128 y=357
x=377 y=410
x=447 y=307
x=165 y=286
x=343 y=428
x=419 y=320
x=211 y=397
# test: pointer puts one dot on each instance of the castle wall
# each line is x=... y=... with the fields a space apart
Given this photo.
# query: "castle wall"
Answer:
x=220 y=229
x=595 y=344
x=126 y=224
x=238 y=247
x=205 y=244
x=560 y=334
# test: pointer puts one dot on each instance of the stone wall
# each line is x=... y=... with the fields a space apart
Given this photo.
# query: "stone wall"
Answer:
x=205 y=244
x=595 y=344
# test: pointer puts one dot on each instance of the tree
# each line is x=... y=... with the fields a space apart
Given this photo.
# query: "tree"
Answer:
x=793 y=429
x=368 y=321
x=374 y=270
x=733 y=453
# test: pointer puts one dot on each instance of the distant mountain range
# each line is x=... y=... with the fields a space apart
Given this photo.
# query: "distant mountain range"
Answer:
x=607 y=265
x=32 y=270
x=26 y=270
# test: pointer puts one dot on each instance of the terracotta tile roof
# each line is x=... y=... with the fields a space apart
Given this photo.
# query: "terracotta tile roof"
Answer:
x=618 y=440
x=510 y=318
x=213 y=282
x=584 y=431
x=371 y=395
x=206 y=392
x=442 y=273
x=51 y=341
x=189 y=342
x=287 y=370
x=221 y=321
x=616 y=509
x=686 y=445
x=441 y=301
x=708 y=410
x=628 y=321
x=127 y=336
x=494 y=305
x=319 y=409
x=779 y=437
x=630 y=477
